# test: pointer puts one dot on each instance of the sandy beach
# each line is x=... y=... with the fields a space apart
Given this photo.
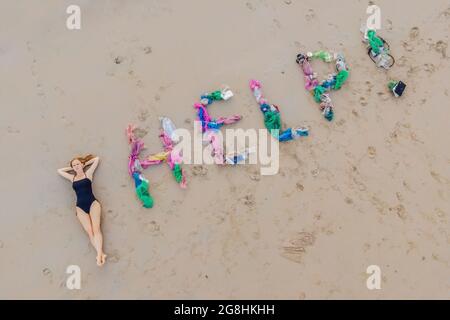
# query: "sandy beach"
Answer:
x=371 y=187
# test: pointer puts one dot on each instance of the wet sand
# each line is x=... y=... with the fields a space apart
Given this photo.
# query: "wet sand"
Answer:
x=371 y=187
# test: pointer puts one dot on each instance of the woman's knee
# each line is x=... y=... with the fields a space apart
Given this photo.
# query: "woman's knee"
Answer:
x=90 y=232
x=96 y=230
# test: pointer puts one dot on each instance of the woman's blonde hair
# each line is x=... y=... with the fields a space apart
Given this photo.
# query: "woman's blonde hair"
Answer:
x=83 y=160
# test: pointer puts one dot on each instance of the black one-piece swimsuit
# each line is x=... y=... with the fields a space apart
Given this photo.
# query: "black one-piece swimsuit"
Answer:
x=85 y=197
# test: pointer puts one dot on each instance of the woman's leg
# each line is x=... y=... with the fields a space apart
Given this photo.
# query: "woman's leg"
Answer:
x=95 y=215
x=86 y=223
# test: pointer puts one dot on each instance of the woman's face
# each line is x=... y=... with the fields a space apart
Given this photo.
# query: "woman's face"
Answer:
x=77 y=165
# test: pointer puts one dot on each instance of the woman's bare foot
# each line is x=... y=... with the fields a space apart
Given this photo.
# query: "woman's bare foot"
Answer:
x=101 y=259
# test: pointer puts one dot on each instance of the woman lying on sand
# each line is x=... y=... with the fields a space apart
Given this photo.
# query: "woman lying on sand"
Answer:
x=88 y=209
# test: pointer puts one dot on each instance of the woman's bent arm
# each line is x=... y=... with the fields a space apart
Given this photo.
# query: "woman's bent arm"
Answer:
x=63 y=173
x=91 y=170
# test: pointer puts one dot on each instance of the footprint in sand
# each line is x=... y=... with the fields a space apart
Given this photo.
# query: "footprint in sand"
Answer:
x=436 y=176
x=67 y=122
x=441 y=47
x=249 y=200
x=152 y=227
x=361 y=186
x=299 y=46
x=250 y=6
x=139 y=84
x=445 y=13
x=414 y=33
x=199 y=170
x=369 y=86
x=277 y=23
x=402 y=61
x=140 y=133
x=119 y=60
x=429 y=67
x=295 y=247
x=363 y=101
x=114 y=256
x=315 y=173
x=389 y=25
x=47 y=272
x=143 y=115
x=383 y=96
x=379 y=204
x=412 y=71
x=12 y=130
x=148 y=50
x=310 y=15
x=341 y=122
x=440 y=213
x=407 y=186
x=372 y=152
x=407 y=46
x=400 y=211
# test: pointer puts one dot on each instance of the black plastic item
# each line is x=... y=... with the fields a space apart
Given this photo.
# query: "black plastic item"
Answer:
x=300 y=58
x=399 y=88
x=385 y=43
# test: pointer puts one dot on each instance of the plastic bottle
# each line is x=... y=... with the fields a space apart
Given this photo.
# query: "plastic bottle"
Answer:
x=169 y=128
x=383 y=61
x=340 y=62
x=240 y=157
x=324 y=55
x=226 y=93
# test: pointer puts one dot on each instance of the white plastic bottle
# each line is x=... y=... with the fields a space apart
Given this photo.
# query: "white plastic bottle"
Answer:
x=169 y=128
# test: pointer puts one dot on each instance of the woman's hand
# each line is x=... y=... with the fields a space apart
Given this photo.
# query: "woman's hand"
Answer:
x=91 y=161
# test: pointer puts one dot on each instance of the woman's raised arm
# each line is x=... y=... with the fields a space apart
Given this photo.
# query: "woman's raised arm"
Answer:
x=94 y=163
x=63 y=172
